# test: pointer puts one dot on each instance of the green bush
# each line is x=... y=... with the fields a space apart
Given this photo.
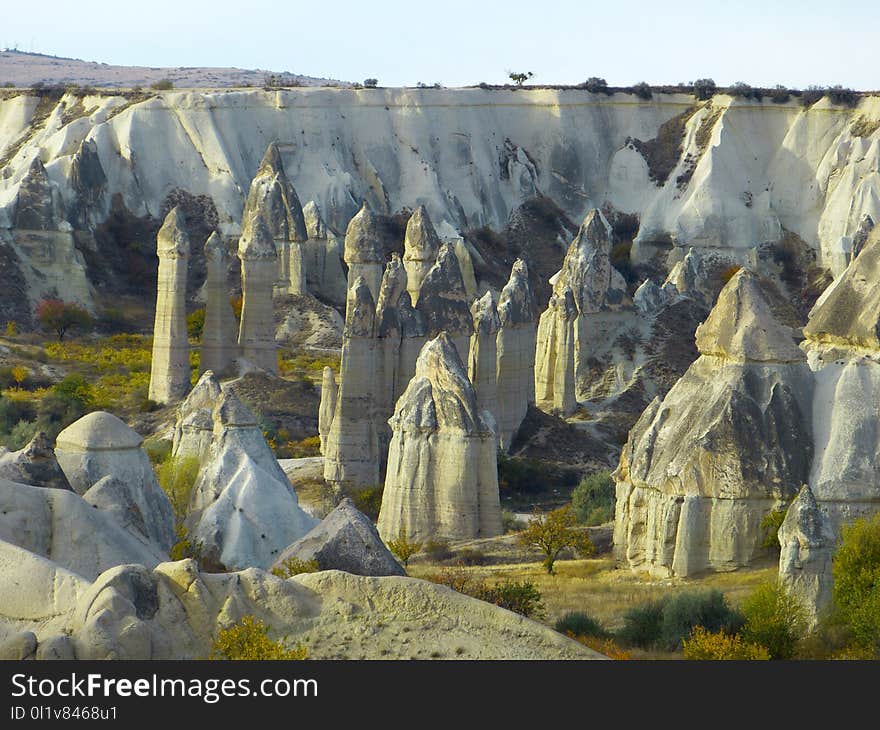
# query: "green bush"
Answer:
x=195 y=323
x=856 y=592
x=470 y=556
x=368 y=500
x=642 y=625
x=294 y=566
x=770 y=524
x=13 y=411
x=20 y=435
x=683 y=612
x=774 y=619
x=177 y=477
x=593 y=499
x=438 y=550
x=518 y=596
x=510 y=522
x=532 y=476
x=642 y=90
x=578 y=623
x=162 y=85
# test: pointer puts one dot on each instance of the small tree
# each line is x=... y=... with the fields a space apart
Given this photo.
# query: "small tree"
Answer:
x=704 y=89
x=595 y=85
x=371 y=83
x=775 y=620
x=404 y=548
x=642 y=90
x=162 y=85
x=519 y=78
x=59 y=317
x=11 y=328
x=856 y=592
x=554 y=533
x=19 y=374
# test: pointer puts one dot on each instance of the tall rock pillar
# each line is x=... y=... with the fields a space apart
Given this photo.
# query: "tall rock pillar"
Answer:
x=420 y=247
x=483 y=354
x=169 y=371
x=259 y=266
x=363 y=250
x=219 y=346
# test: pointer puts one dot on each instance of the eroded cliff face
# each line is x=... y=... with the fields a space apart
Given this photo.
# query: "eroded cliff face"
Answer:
x=725 y=173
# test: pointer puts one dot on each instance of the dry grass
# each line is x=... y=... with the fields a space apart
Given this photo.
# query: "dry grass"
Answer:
x=864 y=127
x=663 y=152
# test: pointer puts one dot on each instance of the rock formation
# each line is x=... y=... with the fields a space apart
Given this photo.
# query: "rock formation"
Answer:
x=344 y=540
x=259 y=262
x=99 y=445
x=442 y=478
x=483 y=354
x=327 y=408
x=597 y=291
x=444 y=303
x=516 y=342
x=61 y=526
x=351 y=453
x=420 y=247
x=272 y=198
x=35 y=464
x=730 y=441
x=243 y=510
x=860 y=237
x=807 y=543
x=322 y=254
x=194 y=427
x=169 y=370
x=363 y=250
x=172 y=611
x=219 y=345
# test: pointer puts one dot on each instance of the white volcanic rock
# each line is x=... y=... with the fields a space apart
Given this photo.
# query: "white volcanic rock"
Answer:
x=516 y=342
x=243 y=510
x=35 y=464
x=483 y=354
x=219 y=340
x=444 y=303
x=420 y=247
x=442 y=478
x=363 y=251
x=351 y=447
x=62 y=526
x=327 y=408
x=175 y=612
x=649 y=297
x=100 y=445
x=259 y=263
x=731 y=440
x=346 y=540
x=169 y=370
x=194 y=427
x=322 y=256
x=807 y=543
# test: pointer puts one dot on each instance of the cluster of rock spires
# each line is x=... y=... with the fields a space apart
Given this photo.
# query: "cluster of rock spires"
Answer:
x=764 y=419
x=284 y=250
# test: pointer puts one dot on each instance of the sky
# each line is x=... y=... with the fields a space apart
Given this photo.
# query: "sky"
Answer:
x=463 y=42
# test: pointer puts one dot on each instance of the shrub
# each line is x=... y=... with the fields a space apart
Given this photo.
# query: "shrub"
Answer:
x=237 y=303
x=75 y=393
x=704 y=89
x=59 y=317
x=510 y=522
x=14 y=411
x=683 y=612
x=642 y=90
x=842 y=96
x=310 y=446
x=775 y=620
x=856 y=591
x=249 y=640
x=368 y=500
x=811 y=95
x=779 y=95
x=404 y=548
x=521 y=597
x=593 y=499
x=177 y=477
x=295 y=566
x=595 y=85
x=553 y=533
x=532 y=476
x=11 y=328
x=578 y=623
x=195 y=323
x=642 y=624
x=371 y=83
x=770 y=524
x=438 y=550
x=162 y=85
x=713 y=646
x=20 y=435
x=606 y=646
x=470 y=556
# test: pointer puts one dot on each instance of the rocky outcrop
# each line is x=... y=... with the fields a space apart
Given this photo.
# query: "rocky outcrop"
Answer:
x=483 y=354
x=272 y=198
x=169 y=369
x=259 y=263
x=363 y=251
x=327 y=408
x=588 y=294
x=173 y=611
x=243 y=510
x=444 y=303
x=35 y=464
x=344 y=540
x=322 y=254
x=442 y=478
x=61 y=526
x=731 y=440
x=807 y=543
x=860 y=237
x=420 y=248
x=219 y=341
x=99 y=445
x=194 y=426
x=351 y=453
x=516 y=342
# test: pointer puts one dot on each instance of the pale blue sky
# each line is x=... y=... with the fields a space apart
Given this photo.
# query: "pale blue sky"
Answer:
x=460 y=42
